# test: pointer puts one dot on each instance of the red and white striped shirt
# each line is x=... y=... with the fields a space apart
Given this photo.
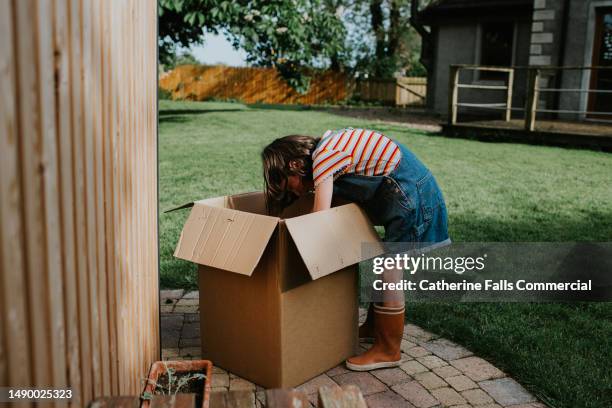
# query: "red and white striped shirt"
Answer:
x=354 y=151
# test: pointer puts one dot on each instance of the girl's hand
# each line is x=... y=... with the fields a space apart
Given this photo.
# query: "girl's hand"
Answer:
x=323 y=195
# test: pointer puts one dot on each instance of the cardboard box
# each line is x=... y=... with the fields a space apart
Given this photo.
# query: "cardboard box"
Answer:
x=278 y=295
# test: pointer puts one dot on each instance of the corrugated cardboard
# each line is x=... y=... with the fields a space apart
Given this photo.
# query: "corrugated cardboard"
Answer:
x=278 y=295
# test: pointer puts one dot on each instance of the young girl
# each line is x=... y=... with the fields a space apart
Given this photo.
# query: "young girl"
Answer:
x=392 y=186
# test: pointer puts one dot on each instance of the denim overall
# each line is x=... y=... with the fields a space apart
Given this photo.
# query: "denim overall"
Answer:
x=407 y=202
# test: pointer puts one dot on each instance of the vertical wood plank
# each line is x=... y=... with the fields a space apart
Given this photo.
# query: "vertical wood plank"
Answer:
x=64 y=76
x=78 y=153
x=453 y=94
x=509 y=95
x=32 y=170
x=47 y=72
x=533 y=93
x=15 y=333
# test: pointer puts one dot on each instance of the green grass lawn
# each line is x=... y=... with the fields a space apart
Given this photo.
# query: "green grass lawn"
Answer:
x=494 y=192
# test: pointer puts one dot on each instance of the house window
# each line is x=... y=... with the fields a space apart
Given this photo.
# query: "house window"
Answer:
x=496 y=46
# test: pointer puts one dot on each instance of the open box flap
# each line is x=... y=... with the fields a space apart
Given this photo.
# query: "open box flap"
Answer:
x=331 y=240
x=224 y=238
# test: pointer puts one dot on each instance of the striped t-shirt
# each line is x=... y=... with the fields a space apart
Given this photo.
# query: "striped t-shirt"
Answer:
x=355 y=151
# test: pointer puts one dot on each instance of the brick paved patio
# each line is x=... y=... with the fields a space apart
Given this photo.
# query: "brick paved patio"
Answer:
x=435 y=373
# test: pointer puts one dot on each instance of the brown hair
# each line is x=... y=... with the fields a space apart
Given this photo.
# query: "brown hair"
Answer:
x=276 y=157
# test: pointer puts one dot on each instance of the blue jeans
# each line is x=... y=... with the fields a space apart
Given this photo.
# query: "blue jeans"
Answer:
x=408 y=202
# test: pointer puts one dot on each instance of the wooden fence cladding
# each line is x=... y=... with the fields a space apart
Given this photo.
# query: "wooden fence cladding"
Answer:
x=78 y=195
x=250 y=85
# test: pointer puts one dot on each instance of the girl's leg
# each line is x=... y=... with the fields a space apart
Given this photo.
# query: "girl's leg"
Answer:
x=388 y=322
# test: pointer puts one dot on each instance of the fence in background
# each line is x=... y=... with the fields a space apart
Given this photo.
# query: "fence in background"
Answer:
x=249 y=85
x=78 y=195
x=536 y=87
x=403 y=91
x=263 y=85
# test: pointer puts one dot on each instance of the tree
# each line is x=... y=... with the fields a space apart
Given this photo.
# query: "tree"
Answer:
x=384 y=44
x=291 y=36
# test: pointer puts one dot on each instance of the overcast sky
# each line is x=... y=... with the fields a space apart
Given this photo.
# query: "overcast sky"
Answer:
x=217 y=50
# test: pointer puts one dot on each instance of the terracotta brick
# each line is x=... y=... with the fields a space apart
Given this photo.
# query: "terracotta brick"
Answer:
x=407 y=345
x=413 y=367
x=416 y=394
x=194 y=294
x=446 y=371
x=432 y=361
x=506 y=391
x=448 y=396
x=387 y=399
x=367 y=383
x=312 y=386
x=446 y=349
x=429 y=380
x=240 y=384
x=417 y=351
x=340 y=369
x=477 y=397
x=477 y=369
x=391 y=376
x=461 y=383
x=220 y=380
x=419 y=333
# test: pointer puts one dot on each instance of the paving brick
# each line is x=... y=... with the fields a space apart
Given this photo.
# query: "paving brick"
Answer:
x=171 y=294
x=391 y=376
x=411 y=339
x=477 y=397
x=446 y=371
x=447 y=396
x=417 y=351
x=429 y=380
x=413 y=367
x=240 y=384
x=432 y=361
x=170 y=353
x=218 y=370
x=312 y=386
x=220 y=380
x=506 y=391
x=387 y=399
x=192 y=317
x=367 y=383
x=490 y=406
x=461 y=406
x=191 y=352
x=340 y=369
x=166 y=308
x=407 y=345
x=416 y=394
x=188 y=302
x=170 y=339
x=194 y=294
x=185 y=343
x=461 y=383
x=185 y=309
x=446 y=349
x=477 y=369
x=530 y=405
x=190 y=330
x=171 y=321
x=419 y=333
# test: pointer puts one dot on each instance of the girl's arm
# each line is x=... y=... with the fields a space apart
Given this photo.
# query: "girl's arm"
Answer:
x=323 y=195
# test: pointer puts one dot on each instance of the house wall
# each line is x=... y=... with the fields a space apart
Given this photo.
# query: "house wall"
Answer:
x=459 y=44
x=78 y=196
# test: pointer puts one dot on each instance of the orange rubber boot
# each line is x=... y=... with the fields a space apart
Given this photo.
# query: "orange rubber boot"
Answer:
x=388 y=331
